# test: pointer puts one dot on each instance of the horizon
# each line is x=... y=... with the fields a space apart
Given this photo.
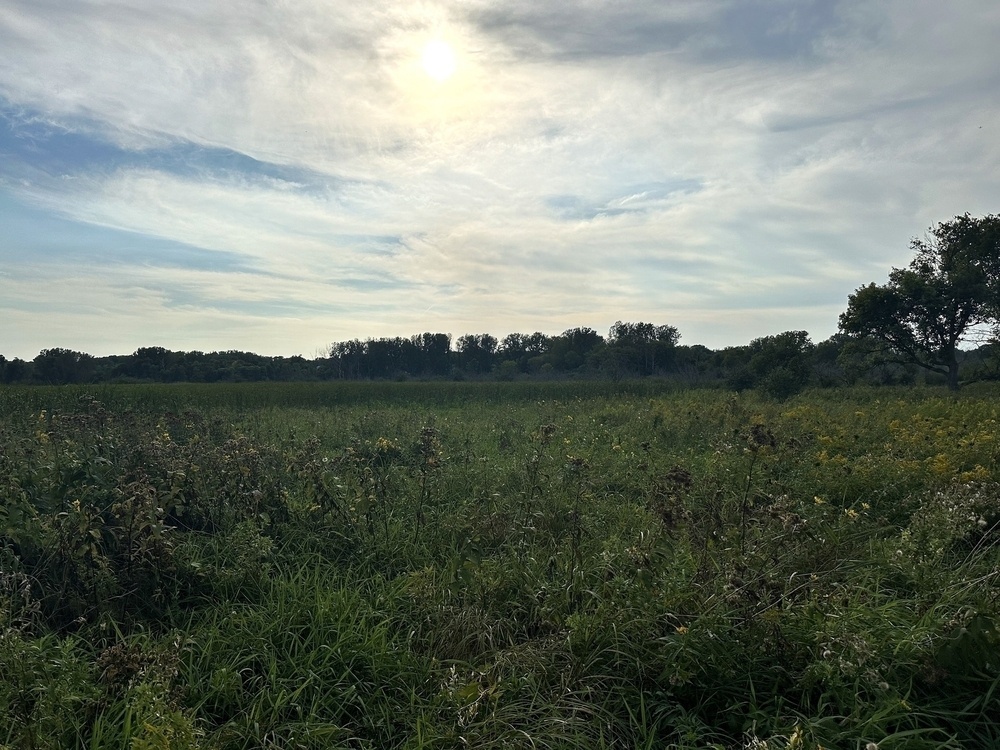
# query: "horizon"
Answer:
x=212 y=178
x=965 y=347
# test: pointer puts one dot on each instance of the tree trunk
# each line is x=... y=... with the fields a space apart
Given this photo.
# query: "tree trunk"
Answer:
x=953 y=373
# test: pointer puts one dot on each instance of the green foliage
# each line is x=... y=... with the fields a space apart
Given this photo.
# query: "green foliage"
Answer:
x=45 y=692
x=499 y=565
x=781 y=365
x=56 y=366
x=951 y=287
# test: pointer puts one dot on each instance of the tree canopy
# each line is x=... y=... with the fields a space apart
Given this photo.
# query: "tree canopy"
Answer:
x=949 y=293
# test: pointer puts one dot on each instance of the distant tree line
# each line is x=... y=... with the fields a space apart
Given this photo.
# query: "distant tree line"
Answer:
x=154 y=364
x=779 y=365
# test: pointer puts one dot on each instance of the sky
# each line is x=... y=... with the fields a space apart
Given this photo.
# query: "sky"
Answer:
x=276 y=175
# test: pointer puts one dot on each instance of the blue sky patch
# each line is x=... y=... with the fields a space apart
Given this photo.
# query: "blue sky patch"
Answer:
x=32 y=143
x=35 y=235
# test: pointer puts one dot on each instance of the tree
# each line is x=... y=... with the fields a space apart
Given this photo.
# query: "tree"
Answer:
x=693 y=363
x=641 y=348
x=17 y=371
x=949 y=293
x=782 y=365
x=520 y=348
x=476 y=351
x=60 y=366
x=570 y=350
x=147 y=363
x=435 y=352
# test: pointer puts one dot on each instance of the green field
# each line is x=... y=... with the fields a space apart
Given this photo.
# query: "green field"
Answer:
x=498 y=565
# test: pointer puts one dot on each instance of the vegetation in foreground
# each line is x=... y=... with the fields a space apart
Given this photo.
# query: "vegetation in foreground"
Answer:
x=456 y=565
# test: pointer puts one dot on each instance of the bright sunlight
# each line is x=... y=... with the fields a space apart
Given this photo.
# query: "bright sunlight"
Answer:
x=439 y=60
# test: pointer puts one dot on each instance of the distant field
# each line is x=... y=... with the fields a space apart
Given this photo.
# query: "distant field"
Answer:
x=498 y=565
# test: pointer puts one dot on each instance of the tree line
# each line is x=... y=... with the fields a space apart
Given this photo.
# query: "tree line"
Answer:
x=913 y=325
x=780 y=365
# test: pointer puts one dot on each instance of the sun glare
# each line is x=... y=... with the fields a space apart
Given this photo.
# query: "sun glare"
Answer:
x=439 y=60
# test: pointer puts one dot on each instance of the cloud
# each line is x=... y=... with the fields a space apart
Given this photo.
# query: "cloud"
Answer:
x=720 y=31
x=674 y=162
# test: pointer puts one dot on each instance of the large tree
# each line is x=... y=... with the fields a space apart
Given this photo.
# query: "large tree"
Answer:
x=949 y=293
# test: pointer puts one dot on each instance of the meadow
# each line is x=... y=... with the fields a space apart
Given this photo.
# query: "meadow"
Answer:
x=498 y=565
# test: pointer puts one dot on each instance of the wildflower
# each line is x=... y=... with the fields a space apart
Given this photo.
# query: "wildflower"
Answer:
x=818 y=500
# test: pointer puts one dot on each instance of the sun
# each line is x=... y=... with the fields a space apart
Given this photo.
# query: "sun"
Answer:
x=439 y=60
